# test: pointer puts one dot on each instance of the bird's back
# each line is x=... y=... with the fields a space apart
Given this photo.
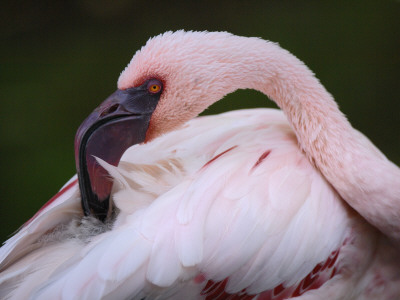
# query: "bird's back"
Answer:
x=226 y=205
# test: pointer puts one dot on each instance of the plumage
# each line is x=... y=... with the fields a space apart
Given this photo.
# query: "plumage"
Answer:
x=243 y=205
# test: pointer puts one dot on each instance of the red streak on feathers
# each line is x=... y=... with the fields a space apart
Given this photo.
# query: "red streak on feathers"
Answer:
x=218 y=156
x=315 y=279
x=61 y=192
x=261 y=158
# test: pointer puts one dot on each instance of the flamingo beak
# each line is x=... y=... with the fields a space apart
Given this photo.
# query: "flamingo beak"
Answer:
x=118 y=123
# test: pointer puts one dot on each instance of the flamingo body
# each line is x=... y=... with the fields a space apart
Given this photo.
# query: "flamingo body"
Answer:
x=234 y=206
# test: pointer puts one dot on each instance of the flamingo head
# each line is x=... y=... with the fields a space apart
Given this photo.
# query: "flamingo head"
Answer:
x=173 y=78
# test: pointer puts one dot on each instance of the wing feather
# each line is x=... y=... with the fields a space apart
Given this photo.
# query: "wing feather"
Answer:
x=61 y=209
x=227 y=197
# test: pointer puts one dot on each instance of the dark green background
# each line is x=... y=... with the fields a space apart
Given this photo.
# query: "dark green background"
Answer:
x=59 y=60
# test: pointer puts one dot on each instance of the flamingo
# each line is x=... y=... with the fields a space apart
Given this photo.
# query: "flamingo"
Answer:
x=249 y=204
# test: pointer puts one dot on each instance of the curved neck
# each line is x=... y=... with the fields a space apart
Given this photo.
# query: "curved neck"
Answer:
x=203 y=67
x=350 y=162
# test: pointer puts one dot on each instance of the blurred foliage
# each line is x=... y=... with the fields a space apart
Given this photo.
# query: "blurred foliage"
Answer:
x=60 y=59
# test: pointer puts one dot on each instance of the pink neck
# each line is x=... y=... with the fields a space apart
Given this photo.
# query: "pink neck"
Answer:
x=351 y=163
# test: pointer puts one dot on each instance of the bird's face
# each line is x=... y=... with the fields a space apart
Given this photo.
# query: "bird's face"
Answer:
x=168 y=82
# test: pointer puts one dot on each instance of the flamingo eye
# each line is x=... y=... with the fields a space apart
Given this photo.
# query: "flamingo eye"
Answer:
x=154 y=86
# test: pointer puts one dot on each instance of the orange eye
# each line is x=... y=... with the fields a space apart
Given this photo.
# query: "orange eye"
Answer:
x=154 y=86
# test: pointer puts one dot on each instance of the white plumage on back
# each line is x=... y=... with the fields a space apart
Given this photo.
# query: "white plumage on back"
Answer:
x=203 y=219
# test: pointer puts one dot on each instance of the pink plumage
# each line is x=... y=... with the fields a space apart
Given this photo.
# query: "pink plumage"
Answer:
x=250 y=204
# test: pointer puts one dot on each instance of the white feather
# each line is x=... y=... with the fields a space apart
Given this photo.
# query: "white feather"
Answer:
x=183 y=213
